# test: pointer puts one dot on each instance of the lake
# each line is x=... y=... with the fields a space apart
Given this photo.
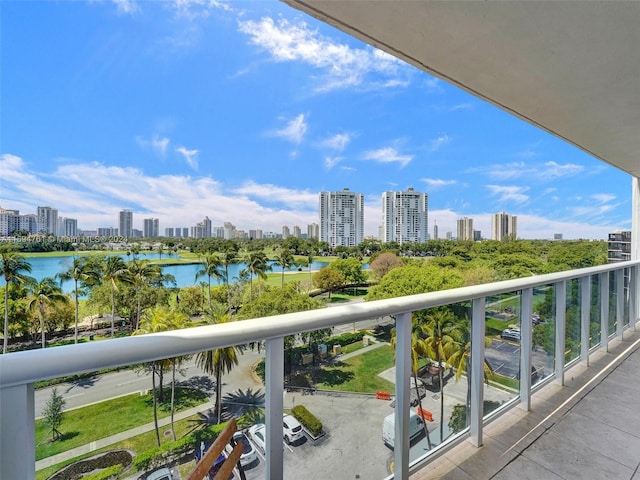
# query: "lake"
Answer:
x=185 y=274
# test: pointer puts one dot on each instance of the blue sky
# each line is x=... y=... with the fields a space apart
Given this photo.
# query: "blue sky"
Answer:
x=245 y=111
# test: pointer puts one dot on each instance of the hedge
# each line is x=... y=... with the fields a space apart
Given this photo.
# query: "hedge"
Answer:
x=307 y=419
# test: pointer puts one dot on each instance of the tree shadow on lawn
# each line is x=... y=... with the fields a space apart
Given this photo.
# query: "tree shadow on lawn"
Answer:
x=332 y=376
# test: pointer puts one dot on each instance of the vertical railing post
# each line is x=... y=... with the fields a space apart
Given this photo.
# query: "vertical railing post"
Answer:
x=604 y=311
x=585 y=318
x=561 y=308
x=634 y=286
x=526 y=312
x=17 y=433
x=619 y=302
x=403 y=396
x=274 y=379
x=477 y=370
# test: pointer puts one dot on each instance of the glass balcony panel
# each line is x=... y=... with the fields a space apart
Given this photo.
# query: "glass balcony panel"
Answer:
x=544 y=333
x=613 y=321
x=594 y=319
x=572 y=321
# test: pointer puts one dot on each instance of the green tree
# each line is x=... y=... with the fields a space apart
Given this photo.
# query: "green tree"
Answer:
x=218 y=361
x=328 y=279
x=413 y=279
x=257 y=264
x=351 y=269
x=43 y=293
x=285 y=260
x=114 y=272
x=12 y=266
x=277 y=300
x=53 y=413
x=212 y=265
x=142 y=274
x=83 y=273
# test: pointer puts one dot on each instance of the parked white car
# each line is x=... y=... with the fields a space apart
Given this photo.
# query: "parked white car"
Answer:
x=162 y=474
x=248 y=452
x=258 y=434
x=292 y=430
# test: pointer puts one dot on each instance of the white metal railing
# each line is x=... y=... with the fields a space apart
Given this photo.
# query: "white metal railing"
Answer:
x=19 y=371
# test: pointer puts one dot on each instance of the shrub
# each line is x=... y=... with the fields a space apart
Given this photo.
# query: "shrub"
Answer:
x=106 y=474
x=307 y=419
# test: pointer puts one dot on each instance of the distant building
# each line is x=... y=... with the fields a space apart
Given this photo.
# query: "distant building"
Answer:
x=297 y=232
x=151 y=228
x=47 y=220
x=449 y=235
x=125 y=223
x=313 y=231
x=202 y=229
x=504 y=226
x=168 y=232
x=341 y=218
x=557 y=236
x=465 y=229
x=619 y=246
x=255 y=234
x=405 y=216
x=68 y=227
x=477 y=235
x=107 y=231
x=435 y=231
x=229 y=228
x=285 y=232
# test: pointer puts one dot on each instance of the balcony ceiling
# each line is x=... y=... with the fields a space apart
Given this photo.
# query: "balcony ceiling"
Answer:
x=570 y=68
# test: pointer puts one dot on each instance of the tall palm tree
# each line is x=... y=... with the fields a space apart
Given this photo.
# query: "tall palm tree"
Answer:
x=285 y=260
x=114 y=271
x=44 y=293
x=441 y=332
x=228 y=258
x=142 y=274
x=158 y=319
x=12 y=266
x=82 y=272
x=218 y=361
x=212 y=264
x=418 y=350
x=257 y=264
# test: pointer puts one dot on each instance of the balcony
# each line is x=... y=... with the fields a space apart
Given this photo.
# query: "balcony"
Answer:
x=604 y=320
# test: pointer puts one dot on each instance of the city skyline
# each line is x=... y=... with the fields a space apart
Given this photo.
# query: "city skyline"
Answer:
x=244 y=111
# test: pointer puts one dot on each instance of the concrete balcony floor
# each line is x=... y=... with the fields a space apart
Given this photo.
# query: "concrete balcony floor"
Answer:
x=588 y=429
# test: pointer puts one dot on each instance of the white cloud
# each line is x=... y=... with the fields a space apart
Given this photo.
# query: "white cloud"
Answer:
x=157 y=144
x=439 y=142
x=509 y=194
x=294 y=131
x=337 y=142
x=541 y=172
x=434 y=183
x=191 y=156
x=128 y=7
x=603 y=197
x=388 y=155
x=196 y=9
x=330 y=162
x=342 y=65
x=275 y=193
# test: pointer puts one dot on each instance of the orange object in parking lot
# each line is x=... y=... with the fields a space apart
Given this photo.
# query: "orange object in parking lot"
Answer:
x=426 y=414
x=383 y=395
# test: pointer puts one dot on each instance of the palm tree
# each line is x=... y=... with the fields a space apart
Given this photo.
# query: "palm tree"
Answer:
x=82 y=271
x=218 y=361
x=161 y=319
x=418 y=350
x=142 y=273
x=11 y=267
x=285 y=260
x=45 y=292
x=211 y=268
x=114 y=271
x=228 y=258
x=257 y=264
x=441 y=333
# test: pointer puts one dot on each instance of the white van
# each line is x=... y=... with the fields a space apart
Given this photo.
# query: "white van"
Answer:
x=388 y=428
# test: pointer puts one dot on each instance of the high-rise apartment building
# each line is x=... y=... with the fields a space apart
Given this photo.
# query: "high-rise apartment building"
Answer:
x=313 y=231
x=504 y=226
x=341 y=218
x=202 y=229
x=435 y=232
x=168 y=232
x=465 y=228
x=151 y=228
x=405 y=216
x=286 y=233
x=297 y=232
x=125 y=223
x=68 y=227
x=47 y=220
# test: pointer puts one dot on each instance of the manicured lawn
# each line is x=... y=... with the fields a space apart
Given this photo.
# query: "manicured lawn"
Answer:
x=86 y=424
x=359 y=374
